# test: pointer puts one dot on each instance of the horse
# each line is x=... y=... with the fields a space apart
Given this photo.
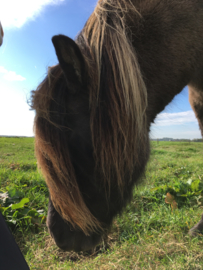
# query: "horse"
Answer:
x=94 y=109
x=1 y=34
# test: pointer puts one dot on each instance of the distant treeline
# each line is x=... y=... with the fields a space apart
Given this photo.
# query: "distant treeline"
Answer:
x=5 y=136
x=163 y=139
x=177 y=140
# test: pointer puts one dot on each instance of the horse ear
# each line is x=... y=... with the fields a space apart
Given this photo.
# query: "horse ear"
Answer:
x=70 y=59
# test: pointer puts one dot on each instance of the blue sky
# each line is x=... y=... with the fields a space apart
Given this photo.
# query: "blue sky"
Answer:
x=27 y=52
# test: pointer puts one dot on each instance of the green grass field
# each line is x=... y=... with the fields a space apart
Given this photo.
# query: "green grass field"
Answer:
x=152 y=232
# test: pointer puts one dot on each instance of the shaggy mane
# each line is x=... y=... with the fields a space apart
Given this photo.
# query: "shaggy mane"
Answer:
x=52 y=152
x=118 y=100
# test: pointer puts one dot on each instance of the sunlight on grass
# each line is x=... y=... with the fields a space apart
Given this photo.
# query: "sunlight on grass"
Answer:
x=152 y=232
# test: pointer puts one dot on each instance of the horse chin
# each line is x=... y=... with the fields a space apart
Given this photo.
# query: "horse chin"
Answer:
x=66 y=237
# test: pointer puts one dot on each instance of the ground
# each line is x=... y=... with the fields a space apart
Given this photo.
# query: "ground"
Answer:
x=152 y=232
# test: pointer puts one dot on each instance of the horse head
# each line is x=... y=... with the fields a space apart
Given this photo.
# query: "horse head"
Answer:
x=82 y=203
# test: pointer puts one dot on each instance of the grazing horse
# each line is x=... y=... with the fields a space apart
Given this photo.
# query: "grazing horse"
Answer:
x=1 y=34
x=94 y=109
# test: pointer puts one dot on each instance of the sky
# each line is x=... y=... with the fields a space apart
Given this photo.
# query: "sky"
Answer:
x=27 y=52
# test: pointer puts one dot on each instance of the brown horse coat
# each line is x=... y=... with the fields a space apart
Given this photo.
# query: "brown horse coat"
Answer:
x=94 y=109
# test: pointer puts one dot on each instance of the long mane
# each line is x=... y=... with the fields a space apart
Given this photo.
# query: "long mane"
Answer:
x=118 y=100
x=52 y=152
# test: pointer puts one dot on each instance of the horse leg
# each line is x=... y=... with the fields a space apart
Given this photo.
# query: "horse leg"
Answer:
x=196 y=101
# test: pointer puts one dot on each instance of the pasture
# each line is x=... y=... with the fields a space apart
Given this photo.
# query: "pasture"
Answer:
x=150 y=234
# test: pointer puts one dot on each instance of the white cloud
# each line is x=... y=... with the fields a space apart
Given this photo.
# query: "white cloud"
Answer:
x=169 y=119
x=189 y=131
x=15 y=117
x=10 y=75
x=3 y=70
x=15 y=13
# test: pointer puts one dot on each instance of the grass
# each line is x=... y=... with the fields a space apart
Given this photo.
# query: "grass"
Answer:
x=150 y=234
